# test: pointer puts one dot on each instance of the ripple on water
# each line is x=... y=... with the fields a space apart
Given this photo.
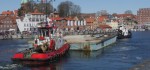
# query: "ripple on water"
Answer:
x=20 y=45
x=123 y=48
x=9 y=66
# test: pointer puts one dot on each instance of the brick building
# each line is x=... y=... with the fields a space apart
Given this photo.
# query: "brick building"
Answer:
x=143 y=15
x=68 y=23
x=7 y=22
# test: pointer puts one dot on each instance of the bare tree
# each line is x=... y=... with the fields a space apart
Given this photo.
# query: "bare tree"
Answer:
x=128 y=12
x=75 y=10
x=46 y=8
x=103 y=12
x=25 y=8
x=67 y=8
x=97 y=14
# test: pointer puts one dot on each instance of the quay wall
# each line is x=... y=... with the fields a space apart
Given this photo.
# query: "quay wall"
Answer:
x=17 y=36
x=86 y=42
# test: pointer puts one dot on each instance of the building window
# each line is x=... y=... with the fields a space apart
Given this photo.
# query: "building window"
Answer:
x=33 y=20
x=24 y=25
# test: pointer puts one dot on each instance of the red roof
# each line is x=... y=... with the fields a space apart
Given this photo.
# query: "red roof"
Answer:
x=104 y=26
x=102 y=18
x=87 y=15
x=15 y=12
x=125 y=15
x=90 y=20
x=69 y=18
x=7 y=13
x=36 y=12
x=56 y=18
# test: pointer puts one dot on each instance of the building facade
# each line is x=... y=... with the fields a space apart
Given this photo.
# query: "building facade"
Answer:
x=68 y=23
x=143 y=15
x=30 y=21
x=76 y=24
x=113 y=24
x=8 y=23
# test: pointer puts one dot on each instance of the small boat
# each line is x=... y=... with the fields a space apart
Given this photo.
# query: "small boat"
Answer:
x=123 y=33
x=45 y=48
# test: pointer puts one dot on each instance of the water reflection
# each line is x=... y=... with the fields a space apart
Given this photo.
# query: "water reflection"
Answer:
x=9 y=66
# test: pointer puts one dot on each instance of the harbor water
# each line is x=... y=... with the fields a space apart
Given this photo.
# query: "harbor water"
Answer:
x=122 y=55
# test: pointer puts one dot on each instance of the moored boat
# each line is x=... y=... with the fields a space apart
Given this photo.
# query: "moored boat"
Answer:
x=123 y=33
x=45 y=47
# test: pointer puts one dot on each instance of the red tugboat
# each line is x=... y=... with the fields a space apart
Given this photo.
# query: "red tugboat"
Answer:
x=45 y=47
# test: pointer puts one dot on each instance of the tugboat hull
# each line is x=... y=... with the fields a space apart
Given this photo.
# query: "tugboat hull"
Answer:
x=121 y=36
x=40 y=58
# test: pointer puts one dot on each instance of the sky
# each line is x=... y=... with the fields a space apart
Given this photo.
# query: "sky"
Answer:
x=89 y=6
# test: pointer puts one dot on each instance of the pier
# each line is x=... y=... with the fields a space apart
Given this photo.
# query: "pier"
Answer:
x=16 y=36
x=91 y=41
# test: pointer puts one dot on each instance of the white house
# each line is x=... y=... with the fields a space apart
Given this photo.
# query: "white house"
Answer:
x=29 y=22
x=113 y=24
